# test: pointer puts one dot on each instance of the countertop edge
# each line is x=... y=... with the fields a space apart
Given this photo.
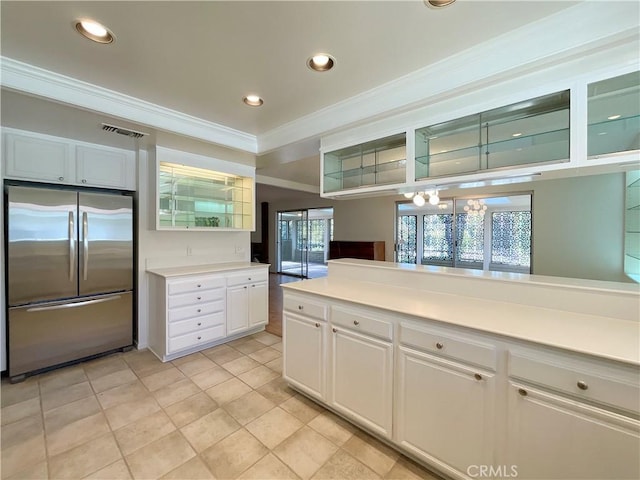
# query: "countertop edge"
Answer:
x=204 y=269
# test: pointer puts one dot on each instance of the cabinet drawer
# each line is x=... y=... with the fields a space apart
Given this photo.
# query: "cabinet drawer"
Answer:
x=196 y=298
x=196 y=324
x=247 y=276
x=587 y=380
x=305 y=307
x=183 y=313
x=361 y=323
x=196 y=338
x=448 y=345
x=192 y=284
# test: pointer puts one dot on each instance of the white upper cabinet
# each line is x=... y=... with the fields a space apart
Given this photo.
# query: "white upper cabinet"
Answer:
x=43 y=158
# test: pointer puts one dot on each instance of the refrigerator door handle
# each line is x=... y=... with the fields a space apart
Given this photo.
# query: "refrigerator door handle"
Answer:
x=72 y=245
x=72 y=305
x=85 y=239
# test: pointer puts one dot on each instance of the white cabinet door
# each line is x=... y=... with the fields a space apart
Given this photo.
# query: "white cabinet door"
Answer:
x=445 y=410
x=105 y=167
x=304 y=357
x=258 y=304
x=38 y=158
x=362 y=383
x=555 y=437
x=237 y=309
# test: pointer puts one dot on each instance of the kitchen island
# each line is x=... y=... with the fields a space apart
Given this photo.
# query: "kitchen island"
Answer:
x=472 y=372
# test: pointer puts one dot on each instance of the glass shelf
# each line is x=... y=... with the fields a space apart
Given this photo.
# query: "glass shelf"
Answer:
x=529 y=132
x=613 y=111
x=379 y=162
x=197 y=198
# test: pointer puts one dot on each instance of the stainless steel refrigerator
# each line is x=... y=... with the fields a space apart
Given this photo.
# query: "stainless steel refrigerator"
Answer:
x=69 y=275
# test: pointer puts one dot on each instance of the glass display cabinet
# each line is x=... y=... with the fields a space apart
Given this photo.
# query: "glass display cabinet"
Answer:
x=378 y=162
x=528 y=132
x=202 y=199
x=632 y=225
x=613 y=108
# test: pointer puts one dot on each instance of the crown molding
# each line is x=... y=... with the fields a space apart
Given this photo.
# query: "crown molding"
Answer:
x=36 y=81
x=586 y=27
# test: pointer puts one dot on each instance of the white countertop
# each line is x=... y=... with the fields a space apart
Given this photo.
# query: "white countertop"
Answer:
x=605 y=337
x=210 y=268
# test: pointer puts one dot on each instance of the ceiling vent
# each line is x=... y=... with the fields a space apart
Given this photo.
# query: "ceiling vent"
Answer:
x=122 y=131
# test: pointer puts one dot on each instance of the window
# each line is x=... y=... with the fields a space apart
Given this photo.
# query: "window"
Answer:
x=489 y=233
x=317 y=234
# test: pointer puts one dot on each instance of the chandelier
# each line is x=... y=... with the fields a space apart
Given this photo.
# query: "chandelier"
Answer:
x=419 y=198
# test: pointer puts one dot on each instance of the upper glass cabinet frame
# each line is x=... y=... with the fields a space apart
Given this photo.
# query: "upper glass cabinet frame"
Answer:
x=533 y=131
x=196 y=198
x=378 y=162
x=613 y=115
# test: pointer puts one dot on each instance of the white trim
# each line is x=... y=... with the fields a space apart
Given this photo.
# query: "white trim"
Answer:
x=291 y=185
x=43 y=83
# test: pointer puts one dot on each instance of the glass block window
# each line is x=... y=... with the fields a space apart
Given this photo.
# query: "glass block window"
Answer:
x=511 y=238
x=469 y=238
x=301 y=234
x=317 y=229
x=437 y=238
x=407 y=239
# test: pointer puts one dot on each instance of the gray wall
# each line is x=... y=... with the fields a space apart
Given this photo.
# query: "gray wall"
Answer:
x=578 y=223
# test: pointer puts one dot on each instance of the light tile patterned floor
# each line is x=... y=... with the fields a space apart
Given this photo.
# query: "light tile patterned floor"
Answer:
x=221 y=413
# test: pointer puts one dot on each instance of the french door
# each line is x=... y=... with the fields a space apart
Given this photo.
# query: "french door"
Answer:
x=293 y=243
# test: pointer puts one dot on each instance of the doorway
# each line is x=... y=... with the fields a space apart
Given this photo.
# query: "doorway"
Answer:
x=303 y=238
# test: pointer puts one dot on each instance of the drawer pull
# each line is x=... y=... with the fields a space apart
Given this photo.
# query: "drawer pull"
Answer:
x=199 y=298
x=249 y=278
x=317 y=325
x=356 y=323
x=522 y=392
x=199 y=338
x=335 y=330
x=199 y=324
x=300 y=307
x=245 y=287
x=199 y=310
x=199 y=285
x=582 y=385
x=61 y=178
x=439 y=346
x=477 y=376
x=252 y=285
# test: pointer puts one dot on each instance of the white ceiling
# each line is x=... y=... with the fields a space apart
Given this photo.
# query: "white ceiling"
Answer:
x=201 y=58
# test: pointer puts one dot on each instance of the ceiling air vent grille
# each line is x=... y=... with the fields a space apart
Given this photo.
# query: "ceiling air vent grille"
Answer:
x=122 y=131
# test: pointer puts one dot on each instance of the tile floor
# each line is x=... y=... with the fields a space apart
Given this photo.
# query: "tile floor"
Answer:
x=222 y=413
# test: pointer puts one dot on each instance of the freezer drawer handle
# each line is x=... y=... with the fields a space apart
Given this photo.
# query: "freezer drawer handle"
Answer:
x=73 y=305
x=85 y=239
x=72 y=245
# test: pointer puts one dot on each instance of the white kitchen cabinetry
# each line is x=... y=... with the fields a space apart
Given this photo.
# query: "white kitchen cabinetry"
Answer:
x=439 y=399
x=362 y=369
x=186 y=313
x=576 y=415
x=247 y=301
x=305 y=331
x=43 y=158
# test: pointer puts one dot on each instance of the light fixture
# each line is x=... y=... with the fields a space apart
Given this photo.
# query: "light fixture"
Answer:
x=614 y=117
x=253 y=100
x=517 y=134
x=438 y=3
x=321 y=62
x=434 y=199
x=419 y=200
x=475 y=207
x=94 y=31
x=409 y=195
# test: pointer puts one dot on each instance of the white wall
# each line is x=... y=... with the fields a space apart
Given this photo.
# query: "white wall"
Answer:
x=578 y=223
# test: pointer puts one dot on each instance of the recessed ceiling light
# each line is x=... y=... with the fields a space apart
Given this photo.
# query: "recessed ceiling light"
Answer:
x=94 y=31
x=614 y=117
x=517 y=134
x=438 y=3
x=253 y=100
x=321 y=62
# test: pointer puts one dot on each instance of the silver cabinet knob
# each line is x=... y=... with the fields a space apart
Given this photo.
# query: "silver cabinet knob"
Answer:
x=199 y=298
x=244 y=287
x=356 y=323
x=199 y=324
x=335 y=330
x=199 y=285
x=439 y=346
x=582 y=385
x=522 y=392
x=61 y=178
x=317 y=325
x=199 y=338
x=249 y=278
x=199 y=310
x=477 y=376
x=252 y=286
x=84 y=180
x=300 y=307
